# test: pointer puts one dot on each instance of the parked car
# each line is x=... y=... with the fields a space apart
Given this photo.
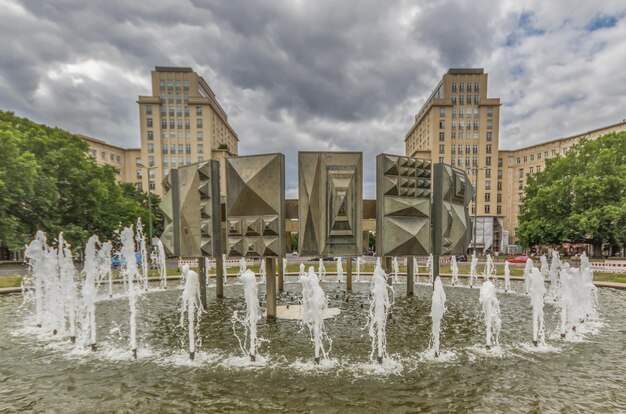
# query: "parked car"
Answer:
x=517 y=259
x=116 y=261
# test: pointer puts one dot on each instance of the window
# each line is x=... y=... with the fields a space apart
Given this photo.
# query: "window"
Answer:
x=467 y=149
x=532 y=157
x=171 y=110
x=476 y=87
x=442 y=148
x=525 y=159
x=467 y=161
x=177 y=85
x=499 y=174
x=148 y=109
x=488 y=185
x=139 y=174
x=488 y=148
x=188 y=148
x=545 y=154
x=453 y=86
x=538 y=169
x=442 y=136
x=186 y=110
x=518 y=160
x=453 y=99
x=164 y=148
x=475 y=124
x=188 y=159
x=440 y=159
x=186 y=84
x=187 y=123
x=150 y=148
x=487 y=208
x=454 y=124
x=460 y=114
x=553 y=153
x=499 y=210
x=538 y=156
x=488 y=172
x=200 y=148
x=461 y=87
x=150 y=161
x=487 y=197
x=164 y=123
x=200 y=159
x=469 y=86
x=475 y=161
x=475 y=149
x=179 y=123
x=180 y=148
x=137 y=161
x=521 y=173
x=152 y=185
x=499 y=186
x=162 y=84
x=442 y=112
x=454 y=112
x=172 y=124
x=178 y=98
x=149 y=122
x=461 y=99
x=199 y=135
x=476 y=101
x=150 y=135
x=469 y=124
x=198 y=110
x=454 y=135
x=199 y=123
x=490 y=111
x=531 y=170
x=488 y=161
x=499 y=198
x=442 y=123
x=489 y=136
x=173 y=149
x=453 y=150
x=489 y=124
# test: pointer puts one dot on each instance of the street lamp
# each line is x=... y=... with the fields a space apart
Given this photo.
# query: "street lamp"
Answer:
x=140 y=165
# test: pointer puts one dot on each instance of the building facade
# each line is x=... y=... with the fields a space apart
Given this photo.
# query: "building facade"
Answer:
x=181 y=123
x=459 y=125
x=124 y=159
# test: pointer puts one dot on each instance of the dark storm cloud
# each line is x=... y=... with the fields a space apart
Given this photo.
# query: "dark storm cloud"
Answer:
x=307 y=75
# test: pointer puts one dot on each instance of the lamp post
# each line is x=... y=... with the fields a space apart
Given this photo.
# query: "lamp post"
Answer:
x=140 y=165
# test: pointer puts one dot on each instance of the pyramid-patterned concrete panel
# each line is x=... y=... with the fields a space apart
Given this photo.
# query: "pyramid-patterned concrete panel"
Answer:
x=403 y=208
x=255 y=205
x=330 y=204
x=191 y=210
x=452 y=226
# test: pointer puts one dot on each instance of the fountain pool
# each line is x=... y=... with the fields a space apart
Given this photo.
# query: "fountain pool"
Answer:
x=586 y=372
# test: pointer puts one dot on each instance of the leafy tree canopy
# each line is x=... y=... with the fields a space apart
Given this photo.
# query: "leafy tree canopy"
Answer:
x=578 y=198
x=49 y=183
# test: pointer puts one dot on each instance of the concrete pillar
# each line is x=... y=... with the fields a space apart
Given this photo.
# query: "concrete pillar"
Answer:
x=281 y=273
x=219 y=276
x=349 y=274
x=387 y=266
x=410 y=270
x=270 y=286
x=202 y=276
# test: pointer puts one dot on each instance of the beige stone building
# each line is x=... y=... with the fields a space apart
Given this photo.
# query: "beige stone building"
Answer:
x=459 y=125
x=181 y=123
x=124 y=159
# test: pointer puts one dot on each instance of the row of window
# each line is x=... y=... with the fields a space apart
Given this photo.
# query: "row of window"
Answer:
x=468 y=86
x=169 y=98
x=174 y=123
x=465 y=98
x=173 y=110
x=538 y=156
x=468 y=124
x=172 y=148
x=175 y=134
x=531 y=170
x=474 y=149
x=171 y=84
x=103 y=155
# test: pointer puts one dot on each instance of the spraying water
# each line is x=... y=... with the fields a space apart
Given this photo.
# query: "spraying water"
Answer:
x=92 y=273
x=67 y=272
x=429 y=266
x=191 y=304
x=252 y=316
x=544 y=266
x=473 y=273
x=262 y=270
x=537 y=290
x=555 y=265
x=159 y=261
x=105 y=264
x=321 y=270
x=314 y=304
x=528 y=274
x=339 y=269
x=491 y=311
x=141 y=245
x=437 y=309
x=359 y=264
x=302 y=271
x=490 y=269
x=396 y=269
x=416 y=270
x=36 y=253
x=242 y=266
x=379 y=309
x=507 y=276
x=224 y=268
x=131 y=275
x=454 y=268
x=285 y=266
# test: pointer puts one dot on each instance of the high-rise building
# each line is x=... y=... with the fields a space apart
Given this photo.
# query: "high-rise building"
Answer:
x=459 y=125
x=181 y=123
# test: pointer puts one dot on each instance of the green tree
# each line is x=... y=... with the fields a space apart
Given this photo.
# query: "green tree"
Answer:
x=48 y=182
x=578 y=198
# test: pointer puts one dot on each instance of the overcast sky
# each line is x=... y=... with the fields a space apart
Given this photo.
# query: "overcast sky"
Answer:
x=316 y=75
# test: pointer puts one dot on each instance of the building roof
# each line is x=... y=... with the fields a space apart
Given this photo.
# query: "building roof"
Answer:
x=172 y=69
x=466 y=71
x=99 y=141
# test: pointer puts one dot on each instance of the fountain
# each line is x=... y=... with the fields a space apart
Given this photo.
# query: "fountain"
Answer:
x=252 y=315
x=437 y=309
x=507 y=277
x=454 y=268
x=555 y=265
x=312 y=313
x=131 y=276
x=161 y=265
x=359 y=265
x=35 y=254
x=528 y=274
x=396 y=270
x=141 y=244
x=191 y=303
x=491 y=312
x=92 y=274
x=339 y=269
x=544 y=266
x=429 y=266
x=301 y=273
x=225 y=268
x=262 y=270
x=473 y=272
x=321 y=270
x=490 y=269
x=380 y=305
x=284 y=266
x=416 y=270
x=243 y=266
x=67 y=272
x=105 y=264
x=537 y=290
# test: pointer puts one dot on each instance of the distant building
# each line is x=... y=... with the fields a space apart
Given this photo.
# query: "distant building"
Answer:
x=124 y=159
x=181 y=123
x=459 y=125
